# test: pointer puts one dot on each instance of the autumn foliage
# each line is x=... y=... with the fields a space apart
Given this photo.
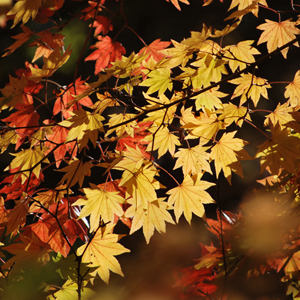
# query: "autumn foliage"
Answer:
x=85 y=157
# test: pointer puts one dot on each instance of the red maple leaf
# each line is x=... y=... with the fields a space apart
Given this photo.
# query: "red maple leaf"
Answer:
x=14 y=189
x=48 y=230
x=102 y=24
x=67 y=95
x=90 y=11
x=47 y=9
x=107 y=51
x=58 y=136
x=154 y=48
x=26 y=120
x=136 y=140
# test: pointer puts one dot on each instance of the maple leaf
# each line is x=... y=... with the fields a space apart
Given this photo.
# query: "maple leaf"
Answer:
x=27 y=120
x=107 y=52
x=17 y=216
x=102 y=24
x=176 y=4
x=293 y=90
x=154 y=50
x=278 y=152
x=21 y=39
x=69 y=291
x=31 y=251
x=49 y=231
x=165 y=116
x=232 y=113
x=241 y=54
x=68 y=95
x=9 y=138
x=154 y=217
x=46 y=43
x=23 y=10
x=209 y=99
x=126 y=128
x=45 y=199
x=189 y=197
x=58 y=136
x=75 y=172
x=100 y=204
x=193 y=160
x=140 y=184
x=101 y=251
x=205 y=126
x=226 y=154
x=27 y=161
x=161 y=139
x=281 y=116
x=250 y=86
x=160 y=80
x=84 y=126
x=13 y=189
x=245 y=7
x=277 y=34
x=51 y=63
x=13 y=92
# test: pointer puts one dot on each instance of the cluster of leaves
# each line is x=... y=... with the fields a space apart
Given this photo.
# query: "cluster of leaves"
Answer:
x=163 y=101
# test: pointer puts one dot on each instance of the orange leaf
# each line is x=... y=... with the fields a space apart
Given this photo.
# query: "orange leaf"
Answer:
x=107 y=51
x=21 y=39
x=154 y=50
x=176 y=4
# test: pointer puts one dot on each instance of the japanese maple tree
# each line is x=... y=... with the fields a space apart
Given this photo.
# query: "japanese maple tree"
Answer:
x=81 y=159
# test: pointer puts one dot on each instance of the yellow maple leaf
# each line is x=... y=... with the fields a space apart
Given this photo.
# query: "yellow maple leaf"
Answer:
x=197 y=38
x=69 y=291
x=227 y=154
x=159 y=80
x=240 y=55
x=193 y=160
x=75 y=172
x=160 y=116
x=9 y=138
x=281 y=115
x=209 y=99
x=99 y=205
x=232 y=113
x=132 y=160
x=163 y=140
x=141 y=184
x=205 y=126
x=250 y=86
x=180 y=54
x=101 y=251
x=154 y=217
x=277 y=34
x=105 y=101
x=84 y=126
x=280 y=151
x=120 y=130
x=245 y=7
x=293 y=90
x=51 y=64
x=28 y=160
x=24 y=9
x=189 y=197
